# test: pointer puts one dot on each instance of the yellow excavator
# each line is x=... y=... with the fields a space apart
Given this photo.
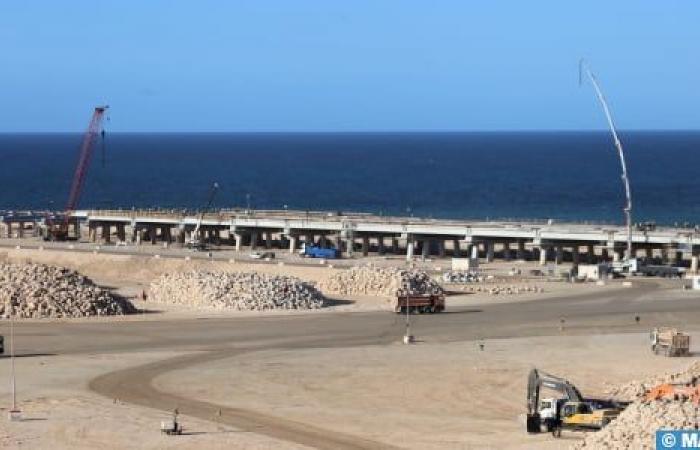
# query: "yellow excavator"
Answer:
x=571 y=412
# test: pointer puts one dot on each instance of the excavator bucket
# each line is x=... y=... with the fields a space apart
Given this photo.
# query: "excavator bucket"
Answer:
x=534 y=424
x=667 y=391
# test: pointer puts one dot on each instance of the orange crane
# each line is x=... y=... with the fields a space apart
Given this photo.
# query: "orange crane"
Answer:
x=57 y=226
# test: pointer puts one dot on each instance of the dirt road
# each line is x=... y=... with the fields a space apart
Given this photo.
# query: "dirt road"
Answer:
x=612 y=311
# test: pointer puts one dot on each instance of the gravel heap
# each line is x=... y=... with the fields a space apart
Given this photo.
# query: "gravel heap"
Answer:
x=380 y=282
x=635 y=428
x=636 y=389
x=234 y=290
x=40 y=291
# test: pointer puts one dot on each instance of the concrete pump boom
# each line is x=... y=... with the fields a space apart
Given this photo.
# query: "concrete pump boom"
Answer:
x=583 y=68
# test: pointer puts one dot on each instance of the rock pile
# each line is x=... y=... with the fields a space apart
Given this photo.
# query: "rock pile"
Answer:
x=380 y=282
x=234 y=290
x=635 y=428
x=41 y=291
x=636 y=389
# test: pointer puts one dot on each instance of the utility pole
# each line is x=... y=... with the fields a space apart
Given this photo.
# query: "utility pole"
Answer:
x=408 y=337
x=583 y=67
x=15 y=413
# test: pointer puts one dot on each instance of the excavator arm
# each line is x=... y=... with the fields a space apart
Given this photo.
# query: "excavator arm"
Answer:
x=536 y=380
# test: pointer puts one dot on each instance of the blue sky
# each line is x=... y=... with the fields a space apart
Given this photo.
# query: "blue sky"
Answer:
x=347 y=66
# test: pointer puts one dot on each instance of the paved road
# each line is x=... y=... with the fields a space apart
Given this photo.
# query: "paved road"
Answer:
x=593 y=312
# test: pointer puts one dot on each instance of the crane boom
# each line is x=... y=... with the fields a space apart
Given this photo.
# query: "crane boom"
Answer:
x=86 y=149
x=196 y=240
x=583 y=68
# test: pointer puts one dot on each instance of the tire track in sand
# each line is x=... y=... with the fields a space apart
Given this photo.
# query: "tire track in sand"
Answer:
x=135 y=385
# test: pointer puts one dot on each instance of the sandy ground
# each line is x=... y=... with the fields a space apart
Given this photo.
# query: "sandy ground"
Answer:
x=427 y=396
x=60 y=413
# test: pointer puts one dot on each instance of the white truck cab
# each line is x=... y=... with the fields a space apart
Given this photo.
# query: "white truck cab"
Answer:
x=548 y=412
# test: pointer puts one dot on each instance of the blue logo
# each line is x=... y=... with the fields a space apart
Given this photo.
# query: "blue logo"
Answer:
x=677 y=439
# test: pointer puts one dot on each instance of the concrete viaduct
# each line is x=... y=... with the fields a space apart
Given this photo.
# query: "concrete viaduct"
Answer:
x=412 y=237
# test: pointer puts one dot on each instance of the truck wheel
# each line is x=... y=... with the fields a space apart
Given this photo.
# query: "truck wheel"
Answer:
x=556 y=432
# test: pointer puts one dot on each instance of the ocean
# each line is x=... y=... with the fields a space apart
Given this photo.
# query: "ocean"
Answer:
x=571 y=176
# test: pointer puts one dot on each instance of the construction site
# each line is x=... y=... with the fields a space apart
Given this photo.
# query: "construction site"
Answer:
x=289 y=329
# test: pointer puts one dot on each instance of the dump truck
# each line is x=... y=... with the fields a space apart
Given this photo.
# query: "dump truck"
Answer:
x=428 y=303
x=669 y=342
x=572 y=411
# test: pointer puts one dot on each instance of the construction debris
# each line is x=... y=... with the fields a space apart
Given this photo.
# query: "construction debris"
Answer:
x=380 y=282
x=458 y=276
x=635 y=428
x=504 y=290
x=40 y=291
x=234 y=291
x=636 y=389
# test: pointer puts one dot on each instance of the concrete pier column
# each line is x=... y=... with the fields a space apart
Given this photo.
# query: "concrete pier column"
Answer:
x=441 y=248
x=474 y=253
x=292 y=243
x=409 y=248
x=380 y=245
x=520 y=253
x=575 y=256
x=425 y=251
x=365 y=245
x=677 y=257
x=92 y=232
x=253 y=240
x=489 y=251
x=21 y=229
x=543 y=256
x=121 y=232
x=238 y=240
x=506 y=251
x=590 y=254
x=395 y=245
x=152 y=234
x=616 y=256
x=694 y=264
x=268 y=240
x=350 y=244
x=664 y=255
x=338 y=242
x=559 y=255
x=106 y=231
x=456 y=250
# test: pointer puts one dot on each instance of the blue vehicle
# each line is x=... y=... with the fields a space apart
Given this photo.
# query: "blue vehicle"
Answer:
x=312 y=251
